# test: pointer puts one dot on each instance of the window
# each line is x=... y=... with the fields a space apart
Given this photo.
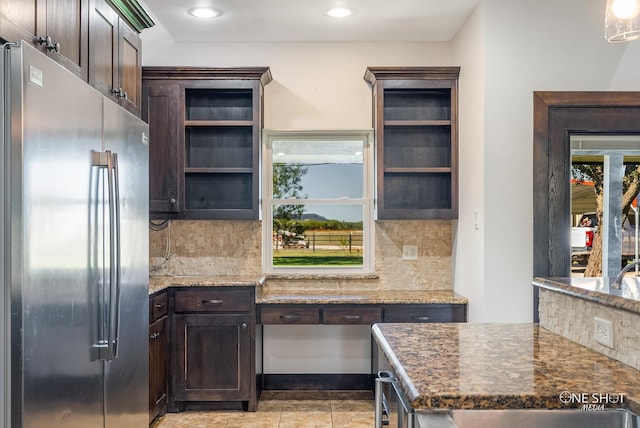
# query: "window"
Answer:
x=317 y=204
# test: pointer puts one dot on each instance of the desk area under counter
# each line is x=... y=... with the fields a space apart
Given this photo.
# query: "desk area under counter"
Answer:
x=204 y=306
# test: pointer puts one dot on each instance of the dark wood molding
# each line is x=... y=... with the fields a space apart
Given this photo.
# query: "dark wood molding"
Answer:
x=208 y=73
x=380 y=73
x=324 y=382
x=557 y=116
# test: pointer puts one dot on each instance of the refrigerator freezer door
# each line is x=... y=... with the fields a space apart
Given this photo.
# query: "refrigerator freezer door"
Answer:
x=62 y=124
x=127 y=375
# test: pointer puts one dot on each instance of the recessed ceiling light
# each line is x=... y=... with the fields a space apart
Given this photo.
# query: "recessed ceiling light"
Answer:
x=339 y=12
x=204 y=12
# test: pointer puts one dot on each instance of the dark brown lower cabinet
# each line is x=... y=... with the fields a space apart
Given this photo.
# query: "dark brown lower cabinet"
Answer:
x=213 y=351
x=158 y=355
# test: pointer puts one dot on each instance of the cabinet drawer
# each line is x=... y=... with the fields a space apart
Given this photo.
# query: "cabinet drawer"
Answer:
x=424 y=313
x=351 y=315
x=157 y=306
x=290 y=315
x=218 y=300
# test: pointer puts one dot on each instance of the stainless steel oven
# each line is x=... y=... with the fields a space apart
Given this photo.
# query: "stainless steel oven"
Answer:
x=392 y=408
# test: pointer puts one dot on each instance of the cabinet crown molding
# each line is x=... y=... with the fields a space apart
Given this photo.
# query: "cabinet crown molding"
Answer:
x=208 y=73
x=418 y=72
x=133 y=13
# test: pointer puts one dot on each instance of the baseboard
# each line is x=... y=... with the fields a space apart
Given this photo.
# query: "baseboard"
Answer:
x=318 y=381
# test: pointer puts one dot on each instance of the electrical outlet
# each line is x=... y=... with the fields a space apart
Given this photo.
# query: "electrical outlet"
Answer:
x=409 y=252
x=603 y=331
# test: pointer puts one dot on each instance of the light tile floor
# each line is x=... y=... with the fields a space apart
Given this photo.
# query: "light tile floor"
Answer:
x=286 y=409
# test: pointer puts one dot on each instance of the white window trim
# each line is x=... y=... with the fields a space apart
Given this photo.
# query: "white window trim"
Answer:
x=367 y=201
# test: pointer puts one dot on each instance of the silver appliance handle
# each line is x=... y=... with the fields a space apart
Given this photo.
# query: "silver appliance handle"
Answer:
x=114 y=254
x=107 y=345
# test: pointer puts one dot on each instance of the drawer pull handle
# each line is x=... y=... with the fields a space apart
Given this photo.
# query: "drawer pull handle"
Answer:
x=213 y=302
x=421 y=318
x=155 y=335
x=289 y=317
x=352 y=317
x=243 y=326
x=160 y=305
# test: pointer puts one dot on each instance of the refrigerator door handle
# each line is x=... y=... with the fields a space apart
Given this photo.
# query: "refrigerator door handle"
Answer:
x=117 y=259
x=109 y=161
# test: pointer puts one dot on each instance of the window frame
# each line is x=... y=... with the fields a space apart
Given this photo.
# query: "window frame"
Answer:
x=267 y=201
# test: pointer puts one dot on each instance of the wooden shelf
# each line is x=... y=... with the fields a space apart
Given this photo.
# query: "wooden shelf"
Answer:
x=417 y=123
x=441 y=170
x=213 y=123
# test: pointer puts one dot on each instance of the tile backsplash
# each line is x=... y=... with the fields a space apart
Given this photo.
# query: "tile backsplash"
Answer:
x=572 y=317
x=227 y=247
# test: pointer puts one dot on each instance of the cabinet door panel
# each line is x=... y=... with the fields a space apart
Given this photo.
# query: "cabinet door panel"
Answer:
x=213 y=357
x=103 y=36
x=161 y=111
x=66 y=24
x=130 y=67
x=20 y=19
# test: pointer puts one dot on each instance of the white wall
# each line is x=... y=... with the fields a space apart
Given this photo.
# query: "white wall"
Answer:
x=468 y=270
x=315 y=85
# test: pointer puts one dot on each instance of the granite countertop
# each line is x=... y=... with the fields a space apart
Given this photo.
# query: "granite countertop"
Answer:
x=499 y=366
x=598 y=290
x=295 y=295
x=158 y=283
x=279 y=296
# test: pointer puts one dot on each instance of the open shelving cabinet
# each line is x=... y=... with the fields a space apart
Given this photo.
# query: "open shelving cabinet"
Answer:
x=416 y=126
x=216 y=142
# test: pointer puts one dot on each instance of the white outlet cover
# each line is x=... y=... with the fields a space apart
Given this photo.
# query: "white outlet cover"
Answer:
x=603 y=332
x=409 y=252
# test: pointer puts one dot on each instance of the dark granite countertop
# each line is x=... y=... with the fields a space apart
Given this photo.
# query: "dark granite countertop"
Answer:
x=158 y=283
x=307 y=296
x=598 y=290
x=317 y=297
x=499 y=366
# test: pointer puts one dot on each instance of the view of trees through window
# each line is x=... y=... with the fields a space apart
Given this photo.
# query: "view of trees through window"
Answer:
x=317 y=202
x=588 y=180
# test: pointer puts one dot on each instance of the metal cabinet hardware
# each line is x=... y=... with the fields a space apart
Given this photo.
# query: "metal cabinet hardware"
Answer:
x=48 y=44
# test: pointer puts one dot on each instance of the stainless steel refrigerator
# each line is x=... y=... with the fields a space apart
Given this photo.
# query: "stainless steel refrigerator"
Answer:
x=74 y=262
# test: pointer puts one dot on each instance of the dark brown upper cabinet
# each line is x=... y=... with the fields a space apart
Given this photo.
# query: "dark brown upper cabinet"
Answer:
x=115 y=60
x=58 y=27
x=95 y=39
x=204 y=126
x=415 y=112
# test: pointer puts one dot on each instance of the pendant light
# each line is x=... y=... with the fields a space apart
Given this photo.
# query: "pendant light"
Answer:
x=622 y=20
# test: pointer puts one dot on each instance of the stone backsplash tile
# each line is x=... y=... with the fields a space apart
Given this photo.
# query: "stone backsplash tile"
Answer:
x=206 y=248
x=432 y=270
x=572 y=318
x=234 y=247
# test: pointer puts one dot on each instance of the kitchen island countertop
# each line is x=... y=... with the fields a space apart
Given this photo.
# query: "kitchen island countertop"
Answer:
x=500 y=366
x=598 y=290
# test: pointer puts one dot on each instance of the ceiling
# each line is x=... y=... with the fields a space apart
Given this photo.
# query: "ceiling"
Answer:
x=306 y=20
